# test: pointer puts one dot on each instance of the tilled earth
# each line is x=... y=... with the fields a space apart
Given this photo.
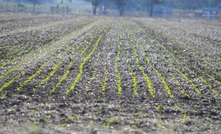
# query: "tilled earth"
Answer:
x=91 y=74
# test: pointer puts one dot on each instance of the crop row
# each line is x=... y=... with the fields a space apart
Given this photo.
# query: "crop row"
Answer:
x=192 y=44
x=66 y=48
x=47 y=48
x=171 y=60
x=85 y=60
x=188 y=69
x=18 y=44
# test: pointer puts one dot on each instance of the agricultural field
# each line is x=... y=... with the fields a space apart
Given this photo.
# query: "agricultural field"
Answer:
x=95 y=74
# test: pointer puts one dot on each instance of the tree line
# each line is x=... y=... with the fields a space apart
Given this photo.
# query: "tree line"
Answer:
x=148 y=5
x=138 y=5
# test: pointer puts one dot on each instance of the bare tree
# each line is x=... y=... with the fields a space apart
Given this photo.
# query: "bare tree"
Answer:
x=151 y=4
x=120 y=4
x=35 y=2
x=95 y=4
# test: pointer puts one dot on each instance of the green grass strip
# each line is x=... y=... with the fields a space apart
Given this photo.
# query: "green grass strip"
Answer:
x=118 y=79
x=31 y=77
x=56 y=66
x=82 y=66
x=6 y=84
x=64 y=76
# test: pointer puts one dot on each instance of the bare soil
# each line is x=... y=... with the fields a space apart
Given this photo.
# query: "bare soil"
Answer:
x=95 y=74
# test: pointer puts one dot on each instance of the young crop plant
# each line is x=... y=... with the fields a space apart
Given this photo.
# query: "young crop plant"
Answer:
x=28 y=55
x=178 y=83
x=201 y=59
x=93 y=74
x=134 y=79
x=12 y=53
x=212 y=78
x=9 y=71
x=104 y=82
x=85 y=49
x=38 y=71
x=183 y=75
x=190 y=81
x=85 y=60
x=6 y=84
x=26 y=61
x=18 y=50
x=199 y=76
x=207 y=68
x=72 y=117
x=172 y=75
x=32 y=76
x=110 y=121
x=64 y=76
x=185 y=117
x=149 y=83
x=74 y=50
x=158 y=73
x=56 y=66
x=119 y=87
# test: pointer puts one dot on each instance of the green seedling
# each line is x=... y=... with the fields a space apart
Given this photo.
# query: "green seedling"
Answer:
x=119 y=87
x=93 y=75
x=185 y=117
x=82 y=65
x=64 y=125
x=104 y=83
x=6 y=84
x=72 y=117
x=159 y=106
x=31 y=77
x=56 y=66
x=64 y=76
x=149 y=83
x=149 y=63
x=139 y=113
x=160 y=125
